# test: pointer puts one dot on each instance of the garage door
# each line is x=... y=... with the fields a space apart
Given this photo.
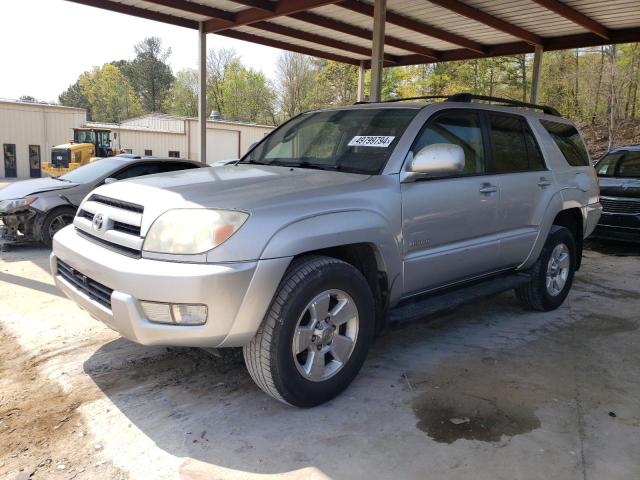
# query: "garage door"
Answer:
x=222 y=145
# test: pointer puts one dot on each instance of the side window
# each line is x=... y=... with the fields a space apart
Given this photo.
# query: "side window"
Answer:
x=148 y=153
x=568 y=141
x=174 y=154
x=460 y=128
x=536 y=161
x=173 y=166
x=509 y=147
x=139 y=169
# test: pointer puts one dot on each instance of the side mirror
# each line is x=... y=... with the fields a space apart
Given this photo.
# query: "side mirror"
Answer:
x=110 y=180
x=437 y=160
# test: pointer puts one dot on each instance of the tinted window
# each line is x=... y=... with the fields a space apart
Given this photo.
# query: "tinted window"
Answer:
x=143 y=168
x=536 y=162
x=94 y=170
x=359 y=140
x=509 y=147
x=173 y=166
x=569 y=142
x=621 y=164
x=460 y=128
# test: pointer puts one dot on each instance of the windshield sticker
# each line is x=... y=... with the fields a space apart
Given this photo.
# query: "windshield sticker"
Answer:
x=371 y=141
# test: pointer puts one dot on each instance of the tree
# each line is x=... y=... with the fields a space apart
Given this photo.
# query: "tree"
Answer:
x=297 y=87
x=149 y=73
x=110 y=95
x=183 y=97
x=28 y=98
x=74 y=97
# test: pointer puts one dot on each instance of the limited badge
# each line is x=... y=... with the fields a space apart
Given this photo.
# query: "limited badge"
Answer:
x=371 y=141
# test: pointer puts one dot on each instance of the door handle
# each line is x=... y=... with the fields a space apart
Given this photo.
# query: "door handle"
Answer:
x=543 y=183
x=488 y=188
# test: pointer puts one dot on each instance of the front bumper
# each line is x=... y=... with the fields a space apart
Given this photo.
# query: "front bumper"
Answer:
x=237 y=295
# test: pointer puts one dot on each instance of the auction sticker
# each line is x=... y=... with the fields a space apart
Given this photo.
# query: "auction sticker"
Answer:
x=371 y=141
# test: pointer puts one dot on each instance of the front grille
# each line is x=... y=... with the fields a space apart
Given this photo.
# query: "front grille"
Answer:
x=85 y=214
x=92 y=289
x=132 y=207
x=620 y=205
x=60 y=157
x=129 y=252
x=126 y=228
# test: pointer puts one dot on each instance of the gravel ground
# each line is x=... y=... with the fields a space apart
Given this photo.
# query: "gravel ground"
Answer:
x=487 y=391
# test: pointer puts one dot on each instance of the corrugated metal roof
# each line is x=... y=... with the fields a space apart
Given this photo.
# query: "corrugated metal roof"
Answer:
x=417 y=31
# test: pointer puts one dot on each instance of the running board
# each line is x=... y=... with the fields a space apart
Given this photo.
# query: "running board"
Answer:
x=429 y=304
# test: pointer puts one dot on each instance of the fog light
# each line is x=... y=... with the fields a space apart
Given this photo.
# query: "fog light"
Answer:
x=180 y=314
x=189 y=314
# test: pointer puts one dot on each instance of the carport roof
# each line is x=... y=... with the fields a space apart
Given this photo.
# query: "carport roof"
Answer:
x=417 y=31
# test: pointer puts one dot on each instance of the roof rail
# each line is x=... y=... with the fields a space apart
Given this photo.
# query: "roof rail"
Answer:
x=469 y=97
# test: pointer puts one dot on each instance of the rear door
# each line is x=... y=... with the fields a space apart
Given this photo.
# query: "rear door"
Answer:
x=526 y=186
x=449 y=223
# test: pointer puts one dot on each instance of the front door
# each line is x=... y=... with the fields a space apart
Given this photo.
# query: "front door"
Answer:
x=449 y=224
x=34 y=161
x=10 y=166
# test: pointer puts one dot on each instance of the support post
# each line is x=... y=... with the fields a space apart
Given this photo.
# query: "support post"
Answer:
x=202 y=93
x=377 y=50
x=361 y=71
x=535 y=75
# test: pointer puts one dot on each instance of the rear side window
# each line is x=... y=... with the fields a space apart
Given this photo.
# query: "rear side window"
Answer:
x=460 y=128
x=514 y=148
x=569 y=142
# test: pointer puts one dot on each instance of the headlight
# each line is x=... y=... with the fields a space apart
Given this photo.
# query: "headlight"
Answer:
x=190 y=231
x=8 y=206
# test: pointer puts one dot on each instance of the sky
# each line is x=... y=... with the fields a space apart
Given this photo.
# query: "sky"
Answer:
x=46 y=44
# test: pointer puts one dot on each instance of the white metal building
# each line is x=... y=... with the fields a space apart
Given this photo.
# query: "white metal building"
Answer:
x=29 y=130
x=165 y=135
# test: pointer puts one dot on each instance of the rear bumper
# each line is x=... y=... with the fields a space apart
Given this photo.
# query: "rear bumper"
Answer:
x=237 y=295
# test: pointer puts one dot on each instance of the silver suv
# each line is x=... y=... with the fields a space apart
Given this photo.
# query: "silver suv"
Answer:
x=332 y=224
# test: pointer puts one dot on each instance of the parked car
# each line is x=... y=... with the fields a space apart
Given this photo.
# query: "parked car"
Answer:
x=619 y=175
x=300 y=251
x=34 y=210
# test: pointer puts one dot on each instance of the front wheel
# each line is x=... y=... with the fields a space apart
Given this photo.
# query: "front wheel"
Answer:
x=54 y=221
x=316 y=334
x=552 y=274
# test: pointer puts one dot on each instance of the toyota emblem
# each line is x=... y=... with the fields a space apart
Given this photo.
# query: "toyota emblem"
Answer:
x=98 y=221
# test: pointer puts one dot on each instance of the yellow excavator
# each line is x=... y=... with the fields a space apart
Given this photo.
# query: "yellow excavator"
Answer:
x=88 y=144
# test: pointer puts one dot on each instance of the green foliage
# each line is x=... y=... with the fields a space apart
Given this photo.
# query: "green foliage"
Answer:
x=110 y=94
x=149 y=73
x=74 y=97
x=183 y=97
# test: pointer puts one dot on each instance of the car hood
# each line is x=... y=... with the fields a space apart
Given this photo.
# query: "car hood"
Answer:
x=619 y=187
x=241 y=187
x=29 y=187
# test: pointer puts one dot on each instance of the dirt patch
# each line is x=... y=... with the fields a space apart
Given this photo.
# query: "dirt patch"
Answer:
x=41 y=431
x=447 y=418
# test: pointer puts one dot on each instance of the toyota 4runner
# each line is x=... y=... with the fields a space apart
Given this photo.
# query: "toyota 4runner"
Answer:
x=302 y=250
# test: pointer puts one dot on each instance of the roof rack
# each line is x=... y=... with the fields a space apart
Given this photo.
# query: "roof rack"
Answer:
x=469 y=97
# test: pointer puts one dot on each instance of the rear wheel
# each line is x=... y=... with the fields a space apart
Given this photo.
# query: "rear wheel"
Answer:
x=552 y=274
x=54 y=221
x=315 y=337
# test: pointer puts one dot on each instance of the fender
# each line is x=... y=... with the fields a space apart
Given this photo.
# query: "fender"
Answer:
x=563 y=199
x=337 y=228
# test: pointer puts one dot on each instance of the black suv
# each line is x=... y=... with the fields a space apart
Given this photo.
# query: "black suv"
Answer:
x=619 y=174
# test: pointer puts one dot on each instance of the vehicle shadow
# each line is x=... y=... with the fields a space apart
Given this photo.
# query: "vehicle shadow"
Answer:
x=207 y=409
x=613 y=247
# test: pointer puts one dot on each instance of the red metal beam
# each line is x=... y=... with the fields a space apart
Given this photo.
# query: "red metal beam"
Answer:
x=318 y=39
x=489 y=20
x=249 y=37
x=265 y=5
x=253 y=15
x=330 y=23
x=198 y=8
x=416 y=26
x=575 y=16
x=627 y=35
x=139 y=12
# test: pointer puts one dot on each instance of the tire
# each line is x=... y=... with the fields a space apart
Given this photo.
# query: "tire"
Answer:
x=54 y=221
x=539 y=294
x=293 y=373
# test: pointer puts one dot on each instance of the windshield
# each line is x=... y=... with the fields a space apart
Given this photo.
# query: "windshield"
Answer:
x=94 y=171
x=85 y=136
x=358 y=140
x=619 y=164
